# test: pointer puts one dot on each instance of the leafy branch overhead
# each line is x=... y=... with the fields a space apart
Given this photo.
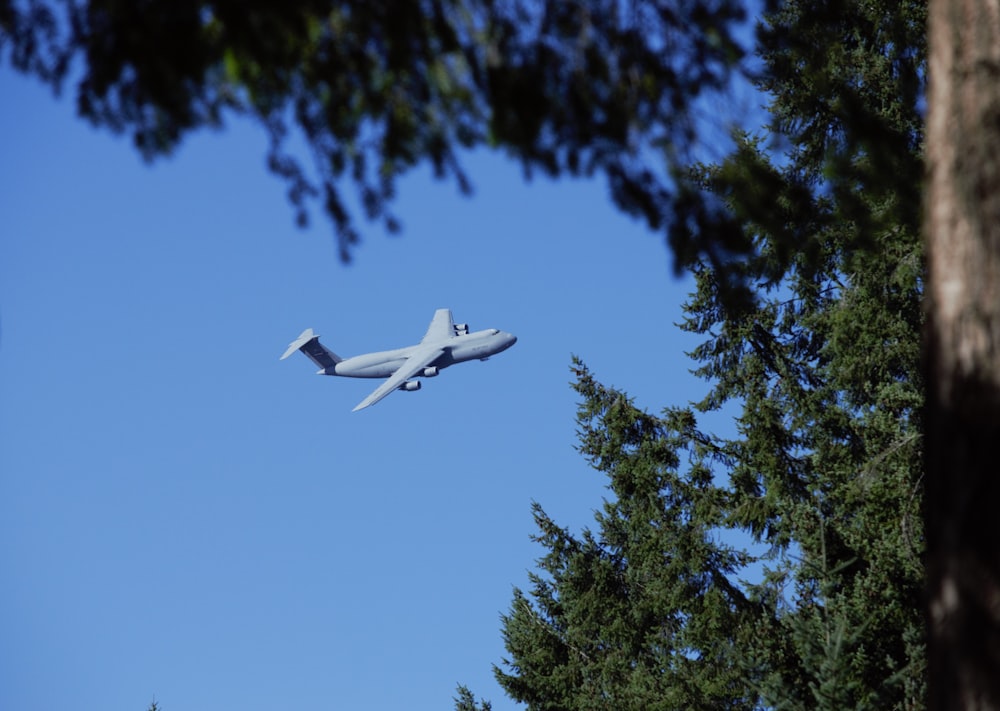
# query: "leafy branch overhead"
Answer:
x=565 y=87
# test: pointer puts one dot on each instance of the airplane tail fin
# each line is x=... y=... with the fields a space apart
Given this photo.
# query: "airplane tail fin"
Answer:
x=308 y=343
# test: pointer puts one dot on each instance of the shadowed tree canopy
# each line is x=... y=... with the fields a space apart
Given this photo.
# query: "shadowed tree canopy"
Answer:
x=374 y=88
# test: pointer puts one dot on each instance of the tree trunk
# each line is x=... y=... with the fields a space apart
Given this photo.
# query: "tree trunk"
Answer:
x=962 y=416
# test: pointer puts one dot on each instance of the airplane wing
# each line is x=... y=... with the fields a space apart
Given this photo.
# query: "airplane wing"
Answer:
x=421 y=358
x=442 y=327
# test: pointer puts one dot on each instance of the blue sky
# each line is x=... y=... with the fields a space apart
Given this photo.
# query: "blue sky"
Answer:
x=184 y=517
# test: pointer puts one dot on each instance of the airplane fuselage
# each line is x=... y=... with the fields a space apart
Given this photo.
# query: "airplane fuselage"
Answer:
x=478 y=345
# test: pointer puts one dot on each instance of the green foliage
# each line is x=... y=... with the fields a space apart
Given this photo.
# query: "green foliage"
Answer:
x=821 y=361
x=580 y=87
x=840 y=162
x=641 y=613
x=825 y=363
x=647 y=610
x=465 y=701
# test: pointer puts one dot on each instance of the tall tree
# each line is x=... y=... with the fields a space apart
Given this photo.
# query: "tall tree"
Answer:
x=963 y=354
x=826 y=361
x=825 y=468
x=641 y=613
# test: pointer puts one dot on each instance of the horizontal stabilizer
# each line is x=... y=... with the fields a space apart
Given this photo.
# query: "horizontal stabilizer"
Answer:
x=303 y=339
x=308 y=343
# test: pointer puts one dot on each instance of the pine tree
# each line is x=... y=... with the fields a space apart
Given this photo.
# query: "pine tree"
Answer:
x=821 y=353
x=825 y=361
x=643 y=612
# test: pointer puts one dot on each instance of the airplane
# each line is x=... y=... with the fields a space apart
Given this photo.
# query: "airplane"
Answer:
x=444 y=344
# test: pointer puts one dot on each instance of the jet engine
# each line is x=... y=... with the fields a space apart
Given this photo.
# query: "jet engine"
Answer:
x=461 y=329
x=410 y=385
x=430 y=372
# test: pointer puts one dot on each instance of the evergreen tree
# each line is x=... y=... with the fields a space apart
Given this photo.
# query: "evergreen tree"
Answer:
x=826 y=361
x=642 y=613
x=823 y=358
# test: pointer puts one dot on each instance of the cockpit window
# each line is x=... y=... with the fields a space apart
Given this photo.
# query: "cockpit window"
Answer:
x=494 y=331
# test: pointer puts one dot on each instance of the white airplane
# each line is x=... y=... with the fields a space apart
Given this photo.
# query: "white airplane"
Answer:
x=444 y=344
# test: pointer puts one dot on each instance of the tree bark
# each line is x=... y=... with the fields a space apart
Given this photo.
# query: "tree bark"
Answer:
x=962 y=355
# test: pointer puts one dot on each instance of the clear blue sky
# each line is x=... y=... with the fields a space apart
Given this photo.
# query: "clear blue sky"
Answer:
x=184 y=517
